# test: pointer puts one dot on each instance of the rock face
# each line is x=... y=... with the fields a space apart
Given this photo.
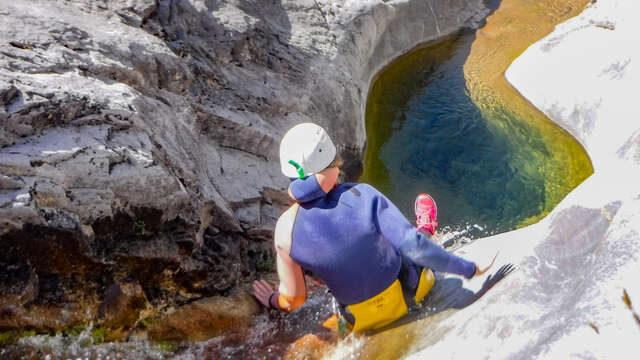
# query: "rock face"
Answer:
x=120 y=309
x=139 y=139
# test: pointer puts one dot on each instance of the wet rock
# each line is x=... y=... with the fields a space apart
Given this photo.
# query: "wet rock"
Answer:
x=42 y=248
x=308 y=347
x=449 y=243
x=18 y=286
x=205 y=318
x=216 y=266
x=47 y=319
x=120 y=309
x=48 y=303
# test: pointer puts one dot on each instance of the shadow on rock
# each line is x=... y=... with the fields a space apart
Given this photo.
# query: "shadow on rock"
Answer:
x=449 y=293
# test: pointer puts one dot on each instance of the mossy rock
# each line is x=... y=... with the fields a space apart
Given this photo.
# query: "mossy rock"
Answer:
x=120 y=310
x=8 y=337
x=74 y=330
x=166 y=346
x=147 y=322
x=99 y=335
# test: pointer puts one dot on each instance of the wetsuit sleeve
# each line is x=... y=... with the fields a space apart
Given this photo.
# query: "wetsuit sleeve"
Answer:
x=415 y=245
x=307 y=189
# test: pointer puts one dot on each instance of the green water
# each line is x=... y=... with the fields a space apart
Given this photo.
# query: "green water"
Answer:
x=484 y=166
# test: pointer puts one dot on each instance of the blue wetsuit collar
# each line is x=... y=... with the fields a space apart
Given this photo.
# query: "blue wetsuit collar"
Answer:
x=306 y=189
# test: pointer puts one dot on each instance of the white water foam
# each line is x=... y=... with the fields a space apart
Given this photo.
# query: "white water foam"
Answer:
x=348 y=348
x=82 y=346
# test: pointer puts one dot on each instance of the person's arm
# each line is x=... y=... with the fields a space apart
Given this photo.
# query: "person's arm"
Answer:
x=291 y=293
x=292 y=289
x=415 y=245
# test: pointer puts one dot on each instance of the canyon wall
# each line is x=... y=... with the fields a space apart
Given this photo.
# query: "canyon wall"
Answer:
x=139 y=139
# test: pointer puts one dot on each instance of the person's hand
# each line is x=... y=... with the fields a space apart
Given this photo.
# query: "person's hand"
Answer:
x=262 y=290
x=480 y=271
x=491 y=280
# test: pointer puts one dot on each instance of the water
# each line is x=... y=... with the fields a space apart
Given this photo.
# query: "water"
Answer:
x=269 y=337
x=80 y=346
x=485 y=164
x=439 y=142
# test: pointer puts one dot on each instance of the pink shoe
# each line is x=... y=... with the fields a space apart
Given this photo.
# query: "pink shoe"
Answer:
x=426 y=213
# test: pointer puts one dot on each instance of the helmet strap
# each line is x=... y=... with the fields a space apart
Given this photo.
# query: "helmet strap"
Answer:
x=298 y=168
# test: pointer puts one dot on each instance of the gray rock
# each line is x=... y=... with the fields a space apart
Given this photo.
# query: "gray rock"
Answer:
x=147 y=131
x=249 y=214
x=8 y=93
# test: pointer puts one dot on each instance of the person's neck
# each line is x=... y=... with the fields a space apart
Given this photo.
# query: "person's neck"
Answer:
x=328 y=178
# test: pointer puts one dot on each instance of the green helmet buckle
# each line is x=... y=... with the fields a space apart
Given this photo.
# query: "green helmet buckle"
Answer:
x=298 y=168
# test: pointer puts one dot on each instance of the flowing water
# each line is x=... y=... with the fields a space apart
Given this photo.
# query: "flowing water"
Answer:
x=441 y=119
x=269 y=337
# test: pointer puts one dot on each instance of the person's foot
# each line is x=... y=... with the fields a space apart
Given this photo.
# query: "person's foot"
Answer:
x=426 y=213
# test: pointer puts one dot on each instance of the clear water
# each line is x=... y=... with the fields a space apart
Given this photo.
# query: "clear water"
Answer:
x=487 y=168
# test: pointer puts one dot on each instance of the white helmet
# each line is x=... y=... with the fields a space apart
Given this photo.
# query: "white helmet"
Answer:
x=305 y=149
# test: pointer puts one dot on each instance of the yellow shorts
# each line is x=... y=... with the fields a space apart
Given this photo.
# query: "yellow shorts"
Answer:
x=389 y=305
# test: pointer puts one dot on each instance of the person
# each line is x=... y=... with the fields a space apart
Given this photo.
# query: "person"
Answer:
x=375 y=263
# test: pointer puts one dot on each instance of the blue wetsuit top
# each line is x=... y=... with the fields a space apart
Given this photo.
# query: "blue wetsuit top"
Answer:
x=355 y=239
